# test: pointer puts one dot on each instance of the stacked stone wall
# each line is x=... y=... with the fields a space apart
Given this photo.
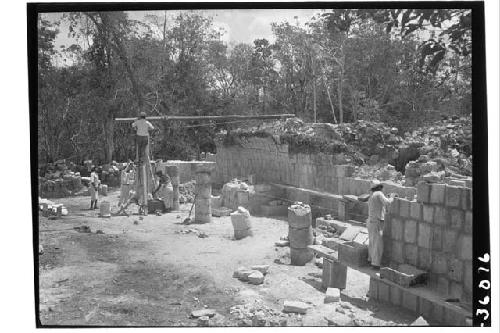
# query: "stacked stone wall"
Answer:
x=434 y=233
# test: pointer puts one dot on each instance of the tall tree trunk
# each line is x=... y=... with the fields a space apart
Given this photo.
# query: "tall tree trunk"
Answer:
x=314 y=95
x=339 y=92
x=109 y=145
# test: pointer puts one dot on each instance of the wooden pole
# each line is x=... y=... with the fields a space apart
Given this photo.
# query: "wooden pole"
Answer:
x=229 y=117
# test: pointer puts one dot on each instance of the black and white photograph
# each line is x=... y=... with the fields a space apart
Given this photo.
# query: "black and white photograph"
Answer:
x=259 y=165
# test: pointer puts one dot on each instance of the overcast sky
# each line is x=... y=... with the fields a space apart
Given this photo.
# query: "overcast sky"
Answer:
x=240 y=25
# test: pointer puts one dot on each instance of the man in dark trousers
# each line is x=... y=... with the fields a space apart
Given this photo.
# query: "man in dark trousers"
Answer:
x=142 y=127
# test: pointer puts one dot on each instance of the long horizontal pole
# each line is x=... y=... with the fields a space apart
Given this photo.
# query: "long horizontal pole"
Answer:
x=228 y=117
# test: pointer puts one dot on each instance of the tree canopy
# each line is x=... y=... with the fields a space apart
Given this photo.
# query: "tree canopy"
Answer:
x=405 y=67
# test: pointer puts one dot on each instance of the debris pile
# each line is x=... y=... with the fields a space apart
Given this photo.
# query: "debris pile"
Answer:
x=258 y=314
x=378 y=171
x=50 y=208
x=252 y=275
x=57 y=180
x=187 y=192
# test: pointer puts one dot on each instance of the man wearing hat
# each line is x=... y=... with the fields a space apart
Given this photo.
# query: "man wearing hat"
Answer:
x=142 y=127
x=377 y=205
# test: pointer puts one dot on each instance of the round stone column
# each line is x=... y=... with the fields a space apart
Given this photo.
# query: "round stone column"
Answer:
x=173 y=173
x=203 y=189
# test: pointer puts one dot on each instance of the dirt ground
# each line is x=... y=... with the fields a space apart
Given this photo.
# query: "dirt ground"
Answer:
x=145 y=272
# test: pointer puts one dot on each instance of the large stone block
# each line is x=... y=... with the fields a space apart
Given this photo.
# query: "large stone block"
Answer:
x=468 y=270
x=423 y=192
x=437 y=238
x=415 y=210
x=453 y=196
x=404 y=208
x=443 y=286
x=383 y=292
x=438 y=193
x=424 y=259
x=410 y=232
x=373 y=288
x=295 y=307
x=425 y=307
x=455 y=270
x=450 y=237
x=332 y=295
x=410 y=301
x=404 y=275
x=441 y=216
x=424 y=235
x=397 y=229
x=411 y=254
x=396 y=295
x=456 y=218
x=439 y=263
x=454 y=316
x=464 y=247
x=394 y=208
x=397 y=252
x=428 y=213
x=468 y=222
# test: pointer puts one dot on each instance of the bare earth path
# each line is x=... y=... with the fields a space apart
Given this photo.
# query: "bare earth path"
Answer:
x=149 y=274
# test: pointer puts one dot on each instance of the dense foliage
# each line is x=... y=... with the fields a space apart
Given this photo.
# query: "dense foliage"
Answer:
x=405 y=68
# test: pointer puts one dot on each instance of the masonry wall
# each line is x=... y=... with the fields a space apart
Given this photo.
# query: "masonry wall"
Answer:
x=434 y=233
x=271 y=162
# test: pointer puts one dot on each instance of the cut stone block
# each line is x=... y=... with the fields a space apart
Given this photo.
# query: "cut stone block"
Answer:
x=453 y=194
x=468 y=271
x=450 y=240
x=404 y=208
x=440 y=216
x=261 y=268
x=423 y=192
x=465 y=247
x=396 y=295
x=468 y=222
x=334 y=274
x=455 y=270
x=456 y=218
x=424 y=235
x=383 y=292
x=361 y=239
x=424 y=259
x=437 y=238
x=415 y=210
x=349 y=233
x=397 y=251
x=410 y=301
x=410 y=233
x=405 y=275
x=332 y=295
x=295 y=307
x=438 y=193
x=411 y=254
x=353 y=254
x=428 y=213
x=439 y=263
x=203 y=313
x=396 y=229
x=256 y=278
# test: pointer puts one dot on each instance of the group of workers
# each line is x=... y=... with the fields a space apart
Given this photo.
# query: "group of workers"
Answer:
x=163 y=188
x=377 y=203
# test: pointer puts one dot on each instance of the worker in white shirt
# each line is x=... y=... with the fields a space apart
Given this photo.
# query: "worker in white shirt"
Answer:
x=126 y=183
x=142 y=127
x=94 y=188
x=377 y=206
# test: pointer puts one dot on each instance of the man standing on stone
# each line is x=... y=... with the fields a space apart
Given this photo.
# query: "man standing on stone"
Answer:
x=377 y=205
x=142 y=127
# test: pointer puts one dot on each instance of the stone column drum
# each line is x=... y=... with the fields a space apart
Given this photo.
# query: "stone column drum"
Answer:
x=173 y=173
x=300 y=234
x=202 y=204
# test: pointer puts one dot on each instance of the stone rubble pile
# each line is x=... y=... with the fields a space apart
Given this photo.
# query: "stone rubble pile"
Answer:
x=58 y=180
x=258 y=314
x=187 y=192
